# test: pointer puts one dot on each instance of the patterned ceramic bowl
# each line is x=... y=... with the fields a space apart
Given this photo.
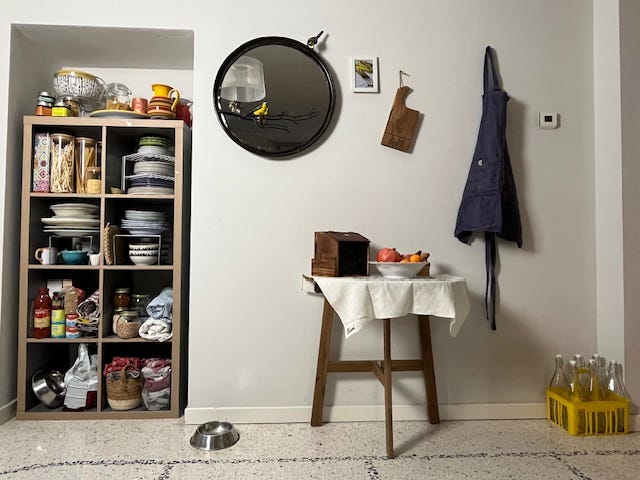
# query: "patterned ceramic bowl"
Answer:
x=78 y=84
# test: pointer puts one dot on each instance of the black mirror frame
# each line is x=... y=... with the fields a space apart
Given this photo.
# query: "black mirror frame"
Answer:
x=285 y=42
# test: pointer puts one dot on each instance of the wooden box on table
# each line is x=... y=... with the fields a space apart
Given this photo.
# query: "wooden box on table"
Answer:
x=340 y=254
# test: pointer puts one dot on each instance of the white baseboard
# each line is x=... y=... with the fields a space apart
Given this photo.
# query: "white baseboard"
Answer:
x=8 y=411
x=364 y=413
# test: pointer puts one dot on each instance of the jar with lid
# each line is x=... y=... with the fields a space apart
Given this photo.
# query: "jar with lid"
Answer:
x=44 y=106
x=127 y=324
x=139 y=302
x=118 y=97
x=42 y=314
x=62 y=163
x=122 y=298
x=85 y=157
x=60 y=109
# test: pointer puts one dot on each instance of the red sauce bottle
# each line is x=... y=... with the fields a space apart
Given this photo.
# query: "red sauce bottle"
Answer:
x=42 y=314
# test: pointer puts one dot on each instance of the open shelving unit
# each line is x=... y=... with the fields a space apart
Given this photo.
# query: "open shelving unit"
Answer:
x=119 y=137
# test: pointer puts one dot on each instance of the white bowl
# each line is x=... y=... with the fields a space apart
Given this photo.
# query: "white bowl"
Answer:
x=143 y=246
x=398 y=269
x=143 y=253
x=144 y=259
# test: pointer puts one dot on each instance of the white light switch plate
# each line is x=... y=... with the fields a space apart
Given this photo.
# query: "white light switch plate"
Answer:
x=548 y=120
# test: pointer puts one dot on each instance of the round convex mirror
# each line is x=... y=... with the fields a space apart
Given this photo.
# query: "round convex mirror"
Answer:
x=274 y=96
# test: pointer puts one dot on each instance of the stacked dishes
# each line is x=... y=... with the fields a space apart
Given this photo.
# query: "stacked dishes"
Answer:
x=72 y=220
x=144 y=253
x=145 y=222
x=153 y=172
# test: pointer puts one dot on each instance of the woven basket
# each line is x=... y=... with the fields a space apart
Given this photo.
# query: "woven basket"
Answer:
x=424 y=272
x=124 y=393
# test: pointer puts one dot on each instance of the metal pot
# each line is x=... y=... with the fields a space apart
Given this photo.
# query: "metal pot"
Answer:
x=49 y=387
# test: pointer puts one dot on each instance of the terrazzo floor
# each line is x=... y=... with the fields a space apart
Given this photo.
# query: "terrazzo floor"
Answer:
x=160 y=450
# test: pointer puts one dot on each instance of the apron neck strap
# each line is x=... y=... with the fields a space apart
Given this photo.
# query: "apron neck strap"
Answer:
x=489 y=63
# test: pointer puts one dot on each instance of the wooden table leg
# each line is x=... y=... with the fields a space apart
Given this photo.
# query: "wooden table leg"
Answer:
x=323 y=363
x=428 y=369
x=388 y=411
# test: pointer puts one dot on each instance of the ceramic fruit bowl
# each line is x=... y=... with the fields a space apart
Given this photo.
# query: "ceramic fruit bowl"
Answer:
x=399 y=269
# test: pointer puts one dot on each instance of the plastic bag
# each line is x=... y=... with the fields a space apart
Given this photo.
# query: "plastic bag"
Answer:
x=81 y=381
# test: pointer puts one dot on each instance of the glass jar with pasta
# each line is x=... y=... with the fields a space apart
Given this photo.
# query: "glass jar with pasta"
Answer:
x=62 y=163
x=85 y=153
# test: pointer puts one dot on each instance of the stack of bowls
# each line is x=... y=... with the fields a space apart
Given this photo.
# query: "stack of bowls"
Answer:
x=153 y=144
x=162 y=108
x=143 y=253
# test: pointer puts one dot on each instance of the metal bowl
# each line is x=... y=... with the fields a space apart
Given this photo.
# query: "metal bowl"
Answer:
x=214 y=436
x=49 y=387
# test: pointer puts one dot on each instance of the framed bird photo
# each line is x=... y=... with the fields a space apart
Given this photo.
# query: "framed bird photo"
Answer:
x=364 y=74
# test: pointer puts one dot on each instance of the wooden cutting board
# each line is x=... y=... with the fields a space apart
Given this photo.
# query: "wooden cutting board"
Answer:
x=402 y=123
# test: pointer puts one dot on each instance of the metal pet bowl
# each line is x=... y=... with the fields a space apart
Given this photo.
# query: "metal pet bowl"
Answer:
x=214 y=436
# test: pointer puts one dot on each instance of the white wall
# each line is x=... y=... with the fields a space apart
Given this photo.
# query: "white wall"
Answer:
x=253 y=333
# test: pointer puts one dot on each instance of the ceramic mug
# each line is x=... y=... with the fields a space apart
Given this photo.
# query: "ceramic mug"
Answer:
x=47 y=255
x=139 y=105
x=94 y=259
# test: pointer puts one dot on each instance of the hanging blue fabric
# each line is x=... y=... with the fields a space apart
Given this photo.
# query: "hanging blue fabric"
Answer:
x=489 y=202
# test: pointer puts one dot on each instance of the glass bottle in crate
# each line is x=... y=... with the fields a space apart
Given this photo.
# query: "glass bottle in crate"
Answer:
x=577 y=394
x=615 y=389
x=559 y=383
x=596 y=394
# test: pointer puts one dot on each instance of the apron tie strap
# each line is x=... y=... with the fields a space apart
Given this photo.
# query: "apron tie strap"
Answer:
x=490 y=289
x=489 y=63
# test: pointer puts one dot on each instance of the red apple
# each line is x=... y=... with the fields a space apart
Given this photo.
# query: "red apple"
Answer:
x=388 y=255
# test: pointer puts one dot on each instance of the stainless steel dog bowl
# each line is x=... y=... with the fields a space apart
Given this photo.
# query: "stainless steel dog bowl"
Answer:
x=214 y=436
x=49 y=387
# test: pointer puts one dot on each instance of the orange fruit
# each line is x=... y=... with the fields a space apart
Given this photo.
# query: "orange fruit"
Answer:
x=414 y=258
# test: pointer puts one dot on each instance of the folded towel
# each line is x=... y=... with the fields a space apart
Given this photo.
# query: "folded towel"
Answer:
x=161 y=306
x=90 y=308
x=155 y=329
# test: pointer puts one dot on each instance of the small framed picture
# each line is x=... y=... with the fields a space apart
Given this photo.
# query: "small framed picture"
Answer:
x=364 y=74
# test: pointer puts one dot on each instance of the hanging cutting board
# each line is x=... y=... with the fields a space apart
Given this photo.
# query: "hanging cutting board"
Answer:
x=402 y=123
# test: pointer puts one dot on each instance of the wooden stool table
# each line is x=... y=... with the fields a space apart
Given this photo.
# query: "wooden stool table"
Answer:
x=382 y=369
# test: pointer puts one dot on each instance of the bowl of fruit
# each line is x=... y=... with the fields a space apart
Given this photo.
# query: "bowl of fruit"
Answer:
x=395 y=265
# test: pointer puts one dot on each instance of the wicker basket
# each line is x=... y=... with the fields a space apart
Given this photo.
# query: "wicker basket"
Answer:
x=123 y=391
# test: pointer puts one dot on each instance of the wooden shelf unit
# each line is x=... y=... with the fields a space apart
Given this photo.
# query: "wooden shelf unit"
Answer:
x=119 y=137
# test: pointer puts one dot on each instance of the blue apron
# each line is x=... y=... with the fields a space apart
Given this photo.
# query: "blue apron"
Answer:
x=489 y=202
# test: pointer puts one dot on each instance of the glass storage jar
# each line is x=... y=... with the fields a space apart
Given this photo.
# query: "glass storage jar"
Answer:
x=139 y=302
x=121 y=298
x=85 y=155
x=62 y=163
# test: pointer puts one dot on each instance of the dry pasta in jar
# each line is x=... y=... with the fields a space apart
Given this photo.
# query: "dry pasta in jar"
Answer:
x=62 y=163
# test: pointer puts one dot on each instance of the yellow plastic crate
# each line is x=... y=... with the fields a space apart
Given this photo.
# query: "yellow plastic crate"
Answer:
x=607 y=417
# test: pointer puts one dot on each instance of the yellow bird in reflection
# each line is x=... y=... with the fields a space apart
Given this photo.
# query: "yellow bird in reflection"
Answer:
x=262 y=110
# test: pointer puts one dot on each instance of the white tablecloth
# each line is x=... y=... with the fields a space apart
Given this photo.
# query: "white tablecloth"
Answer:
x=360 y=300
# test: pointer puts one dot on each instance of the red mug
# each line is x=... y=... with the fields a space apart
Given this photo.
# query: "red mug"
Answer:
x=139 y=105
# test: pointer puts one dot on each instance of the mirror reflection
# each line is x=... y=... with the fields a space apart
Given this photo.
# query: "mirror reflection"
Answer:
x=274 y=96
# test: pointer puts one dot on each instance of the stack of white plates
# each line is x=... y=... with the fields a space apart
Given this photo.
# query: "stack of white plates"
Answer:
x=154 y=167
x=145 y=222
x=72 y=220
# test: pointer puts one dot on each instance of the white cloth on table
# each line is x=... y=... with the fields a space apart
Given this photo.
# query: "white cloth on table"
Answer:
x=162 y=305
x=360 y=300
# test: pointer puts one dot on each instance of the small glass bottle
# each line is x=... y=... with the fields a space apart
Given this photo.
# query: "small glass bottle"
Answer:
x=577 y=394
x=616 y=390
x=559 y=383
x=42 y=314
